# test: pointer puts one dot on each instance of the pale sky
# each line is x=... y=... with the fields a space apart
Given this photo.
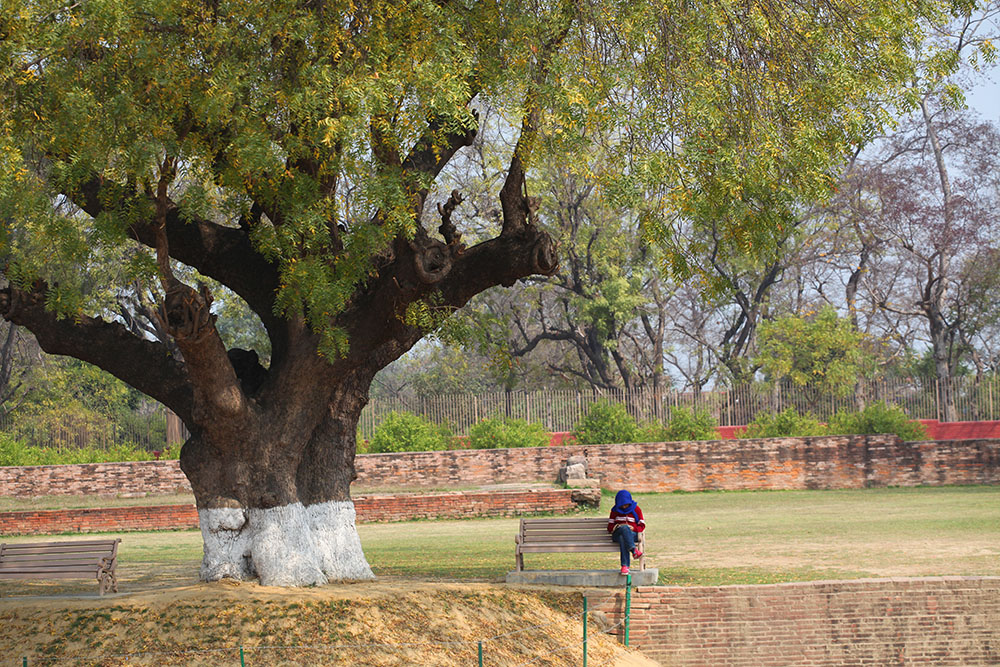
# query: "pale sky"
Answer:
x=985 y=97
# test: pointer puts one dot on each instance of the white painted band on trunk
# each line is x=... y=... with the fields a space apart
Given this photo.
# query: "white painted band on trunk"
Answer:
x=337 y=541
x=292 y=545
x=227 y=545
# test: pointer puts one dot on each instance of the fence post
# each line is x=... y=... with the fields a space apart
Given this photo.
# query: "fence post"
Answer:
x=989 y=389
x=242 y=659
x=584 y=630
x=480 y=654
x=628 y=604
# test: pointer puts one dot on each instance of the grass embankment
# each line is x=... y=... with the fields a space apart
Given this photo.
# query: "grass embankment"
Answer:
x=357 y=624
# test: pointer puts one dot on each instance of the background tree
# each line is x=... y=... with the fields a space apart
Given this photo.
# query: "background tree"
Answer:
x=289 y=151
x=939 y=219
x=817 y=352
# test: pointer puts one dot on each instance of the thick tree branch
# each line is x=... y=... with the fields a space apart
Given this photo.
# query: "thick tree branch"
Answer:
x=221 y=253
x=145 y=365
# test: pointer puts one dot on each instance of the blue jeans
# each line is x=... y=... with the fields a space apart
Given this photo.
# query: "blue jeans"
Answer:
x=625 y=538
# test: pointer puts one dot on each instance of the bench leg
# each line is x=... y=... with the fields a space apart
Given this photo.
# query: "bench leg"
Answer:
x=519 y=561
x=106 y=581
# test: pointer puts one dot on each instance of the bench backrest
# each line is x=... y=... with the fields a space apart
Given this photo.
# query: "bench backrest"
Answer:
x=47 y=559
x=582 y=530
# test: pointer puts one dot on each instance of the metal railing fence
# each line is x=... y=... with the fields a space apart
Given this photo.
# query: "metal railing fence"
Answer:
x=973 y=399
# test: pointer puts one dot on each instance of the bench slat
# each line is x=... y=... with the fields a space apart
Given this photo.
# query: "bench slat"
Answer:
x=585 y=534
x=66 y=555
x=567 y=537
x=51 y=575
x=590 y=521
x=56 y=547
x=90 y=569
x=551 y=548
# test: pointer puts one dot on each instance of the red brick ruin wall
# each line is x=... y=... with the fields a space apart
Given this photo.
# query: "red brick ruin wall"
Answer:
x=926 y=621
x=370 y=509
x=835 y=462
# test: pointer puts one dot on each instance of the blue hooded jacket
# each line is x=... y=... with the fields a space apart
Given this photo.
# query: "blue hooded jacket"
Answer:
x=624 y=504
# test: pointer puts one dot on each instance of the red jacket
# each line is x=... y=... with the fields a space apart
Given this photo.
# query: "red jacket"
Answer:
x=617 y=519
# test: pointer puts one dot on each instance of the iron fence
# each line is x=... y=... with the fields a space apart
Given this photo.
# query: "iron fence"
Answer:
x=972 y=399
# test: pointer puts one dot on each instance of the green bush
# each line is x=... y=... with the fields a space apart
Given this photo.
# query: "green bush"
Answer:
x=788 y=423
x=685 y=424
x=691 y=424
x=503 y=433
x=877 y=418
x=606 y=423
x=405 y=432
x=653 y=432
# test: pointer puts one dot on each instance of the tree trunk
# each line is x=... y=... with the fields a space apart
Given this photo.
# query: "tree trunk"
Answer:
x=281 y=509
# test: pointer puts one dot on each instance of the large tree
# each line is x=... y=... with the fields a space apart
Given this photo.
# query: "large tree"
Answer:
x=292 y=151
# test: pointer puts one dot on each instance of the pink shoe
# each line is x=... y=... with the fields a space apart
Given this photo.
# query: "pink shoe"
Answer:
x=636 y=553
x=624 y=569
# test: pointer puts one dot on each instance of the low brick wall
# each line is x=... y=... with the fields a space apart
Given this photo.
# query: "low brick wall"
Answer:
x=926 y=621
x=136 y=478
x=472 y=504
x=99 y=520
x=370 y=509
x=834 y=462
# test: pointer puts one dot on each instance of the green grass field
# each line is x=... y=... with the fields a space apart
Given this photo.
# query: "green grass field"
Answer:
x=693 y=538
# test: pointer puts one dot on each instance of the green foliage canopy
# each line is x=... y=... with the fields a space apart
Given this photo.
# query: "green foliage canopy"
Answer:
x=820 y=351
x=290 y=118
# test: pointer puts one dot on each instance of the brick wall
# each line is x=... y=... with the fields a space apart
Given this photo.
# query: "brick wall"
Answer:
x=136 y=478
x=370 y=509
x=926 y=621
x=102 y=520
x=777 y=463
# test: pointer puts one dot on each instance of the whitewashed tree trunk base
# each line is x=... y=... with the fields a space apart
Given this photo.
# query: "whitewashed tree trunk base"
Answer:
x=293 y=545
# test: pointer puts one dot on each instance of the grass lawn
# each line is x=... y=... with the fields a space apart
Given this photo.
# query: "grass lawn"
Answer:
x=693 y=538
x=737 y=538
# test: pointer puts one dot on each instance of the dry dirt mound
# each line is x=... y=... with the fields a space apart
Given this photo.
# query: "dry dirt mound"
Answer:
x=378 y=623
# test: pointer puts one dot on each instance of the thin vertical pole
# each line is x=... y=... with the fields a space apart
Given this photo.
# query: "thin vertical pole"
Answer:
x=584 y=631
x=480 y=654
x=628 y=604
x=243 y=662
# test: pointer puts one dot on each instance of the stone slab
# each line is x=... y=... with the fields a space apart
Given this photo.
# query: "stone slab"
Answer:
x=586 y=578
x=586 y=482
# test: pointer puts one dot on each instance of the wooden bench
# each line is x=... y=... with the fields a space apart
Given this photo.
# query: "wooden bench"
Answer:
x=568 y=535
x=62 y=560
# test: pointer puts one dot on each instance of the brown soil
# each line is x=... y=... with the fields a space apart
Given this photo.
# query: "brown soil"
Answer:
x=394 y=622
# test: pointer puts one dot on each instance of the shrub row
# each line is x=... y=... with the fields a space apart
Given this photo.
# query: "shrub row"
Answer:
x=604 y=423
x=609 y=423
x=875 y=418
x=15 y=452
